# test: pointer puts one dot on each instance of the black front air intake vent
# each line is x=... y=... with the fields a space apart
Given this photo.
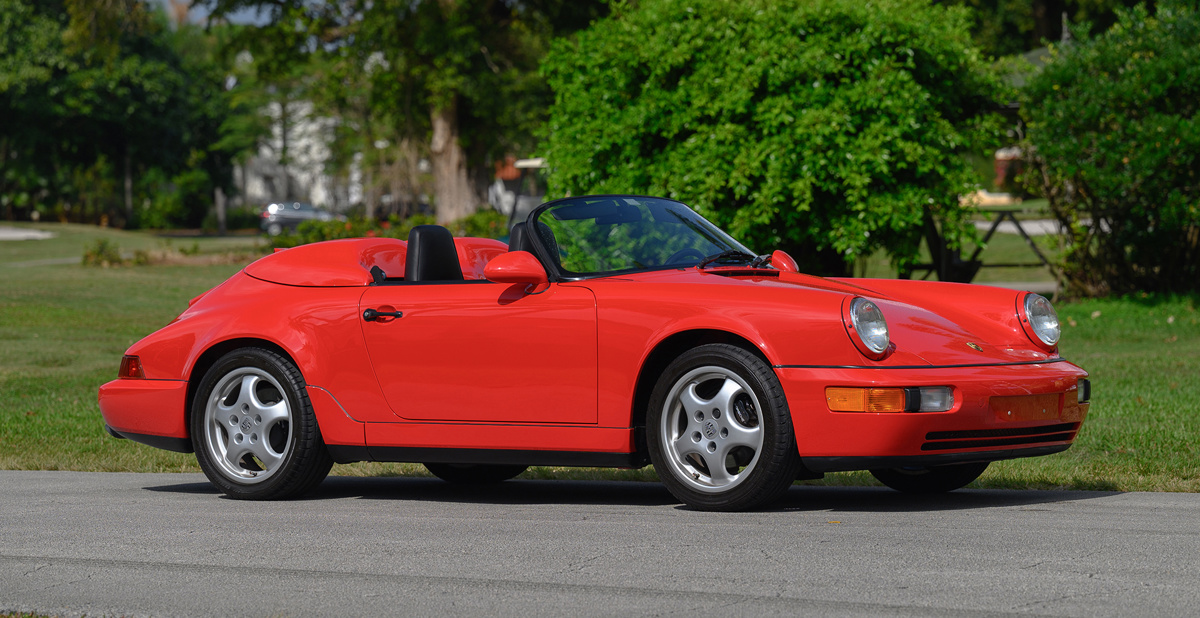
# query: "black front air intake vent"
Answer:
x=988 y=438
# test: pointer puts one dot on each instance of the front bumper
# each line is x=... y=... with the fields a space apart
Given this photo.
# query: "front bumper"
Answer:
x=999 y=412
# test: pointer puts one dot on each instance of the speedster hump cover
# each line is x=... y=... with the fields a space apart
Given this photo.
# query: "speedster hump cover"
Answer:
x=348 y=262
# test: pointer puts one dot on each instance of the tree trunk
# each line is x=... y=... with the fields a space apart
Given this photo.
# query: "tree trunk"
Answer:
x=128 y=187
x=219 y=202
x=284 y=155
x=3 y=188
x=369 y=158
x=455 y=196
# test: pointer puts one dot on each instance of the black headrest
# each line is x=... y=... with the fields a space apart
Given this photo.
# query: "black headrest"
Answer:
x=431 y=255
x=518 y=239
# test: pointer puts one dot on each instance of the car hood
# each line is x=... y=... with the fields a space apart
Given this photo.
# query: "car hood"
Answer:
x=930 y=323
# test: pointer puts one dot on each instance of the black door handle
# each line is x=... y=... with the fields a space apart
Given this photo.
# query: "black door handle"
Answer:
x=371 y=315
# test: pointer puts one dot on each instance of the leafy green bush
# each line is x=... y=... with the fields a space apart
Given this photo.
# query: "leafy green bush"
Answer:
x=103 y=252
x=484 y=224
x=1114 y=130
x=829 y=128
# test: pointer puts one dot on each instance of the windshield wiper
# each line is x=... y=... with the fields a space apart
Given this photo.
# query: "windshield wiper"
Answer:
x=729 y=255
x=760 y=261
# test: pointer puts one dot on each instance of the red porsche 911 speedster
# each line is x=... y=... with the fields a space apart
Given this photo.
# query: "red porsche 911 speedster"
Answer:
x=614 y=331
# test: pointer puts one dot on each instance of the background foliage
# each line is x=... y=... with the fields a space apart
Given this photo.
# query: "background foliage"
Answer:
x=1006 y=27
x=453 y=82
x=110 y=115
x=828 y=128
x=1114 y=128
x=481 y=224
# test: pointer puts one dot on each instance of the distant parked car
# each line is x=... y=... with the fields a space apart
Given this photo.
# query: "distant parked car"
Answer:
x=284 y=216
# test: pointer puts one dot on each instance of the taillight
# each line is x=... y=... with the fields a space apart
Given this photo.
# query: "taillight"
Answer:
x=131 y=368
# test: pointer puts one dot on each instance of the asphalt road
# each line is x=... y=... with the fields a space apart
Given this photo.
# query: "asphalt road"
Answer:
x=167 y=544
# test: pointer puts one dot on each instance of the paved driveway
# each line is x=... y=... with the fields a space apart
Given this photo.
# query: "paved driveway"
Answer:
x=167 y=544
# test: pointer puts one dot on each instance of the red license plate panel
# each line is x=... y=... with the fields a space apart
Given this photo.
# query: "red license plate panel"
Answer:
x=1027 y=407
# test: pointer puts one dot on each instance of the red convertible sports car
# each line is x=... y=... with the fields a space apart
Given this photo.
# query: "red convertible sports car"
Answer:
x=611 y=331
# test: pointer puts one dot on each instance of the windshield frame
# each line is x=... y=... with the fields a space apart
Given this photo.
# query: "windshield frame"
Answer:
x=702 y=227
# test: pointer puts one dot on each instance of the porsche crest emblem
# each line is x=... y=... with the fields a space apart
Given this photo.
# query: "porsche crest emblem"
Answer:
x=974 y=346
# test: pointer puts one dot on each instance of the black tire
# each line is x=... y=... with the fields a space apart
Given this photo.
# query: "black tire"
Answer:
x=719 y=430
x=474 y=474
x=253 y=428
x=935 y=480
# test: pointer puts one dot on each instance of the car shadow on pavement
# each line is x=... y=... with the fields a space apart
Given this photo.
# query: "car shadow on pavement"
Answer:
x=519 y=491
x=634 y=493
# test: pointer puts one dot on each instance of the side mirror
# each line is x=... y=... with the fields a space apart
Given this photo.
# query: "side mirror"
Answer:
x=784 y=262
x=515 y=267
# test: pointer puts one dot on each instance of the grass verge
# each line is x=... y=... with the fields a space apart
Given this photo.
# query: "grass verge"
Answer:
x=63 y=328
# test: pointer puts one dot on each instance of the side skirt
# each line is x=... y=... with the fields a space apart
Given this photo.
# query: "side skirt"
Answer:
x=348 y=454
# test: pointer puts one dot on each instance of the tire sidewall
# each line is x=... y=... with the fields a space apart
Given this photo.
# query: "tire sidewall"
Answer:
x=299 y=411
x=778 y=460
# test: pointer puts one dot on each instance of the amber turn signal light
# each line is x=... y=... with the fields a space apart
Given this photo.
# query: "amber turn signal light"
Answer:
x=865 y=399
x=912 y=399
x=131 y=368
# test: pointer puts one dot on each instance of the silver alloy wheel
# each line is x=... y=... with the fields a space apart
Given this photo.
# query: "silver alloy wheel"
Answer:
x=247 y=425
x=712 y=430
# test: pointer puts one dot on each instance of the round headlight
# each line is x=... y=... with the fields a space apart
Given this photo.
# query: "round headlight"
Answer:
x=1043 y=320
x=868 y=322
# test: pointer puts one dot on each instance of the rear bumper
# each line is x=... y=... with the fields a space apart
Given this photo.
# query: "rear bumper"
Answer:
x=147 y=411
x=999 y=412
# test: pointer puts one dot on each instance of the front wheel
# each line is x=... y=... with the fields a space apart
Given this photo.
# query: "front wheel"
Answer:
x=719 y=430
x=935 y=480
x=253 y=428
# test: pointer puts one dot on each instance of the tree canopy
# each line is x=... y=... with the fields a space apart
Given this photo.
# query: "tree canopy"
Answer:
x=454 y=81
x=1007 y=27
x=110 y=115
x=830 y=128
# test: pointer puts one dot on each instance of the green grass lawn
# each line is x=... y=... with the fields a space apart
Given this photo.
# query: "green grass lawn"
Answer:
x=64 y=327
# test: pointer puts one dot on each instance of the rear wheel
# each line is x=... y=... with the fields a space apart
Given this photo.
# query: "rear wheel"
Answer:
x=719 y=430
x=935 y=480
x=254 y=430
x=474 y=474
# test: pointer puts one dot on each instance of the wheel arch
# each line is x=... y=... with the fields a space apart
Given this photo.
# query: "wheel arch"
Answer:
x=210 y=357
x=668 y=350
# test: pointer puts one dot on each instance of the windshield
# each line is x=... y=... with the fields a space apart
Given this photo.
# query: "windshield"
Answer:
x=602 y=235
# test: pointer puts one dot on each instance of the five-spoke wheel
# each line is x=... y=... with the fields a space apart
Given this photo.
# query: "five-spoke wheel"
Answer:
x=253 y=427
x=719 y=431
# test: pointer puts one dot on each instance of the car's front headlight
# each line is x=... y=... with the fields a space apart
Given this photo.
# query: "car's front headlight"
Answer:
x=869 y=325
x=1041 y=321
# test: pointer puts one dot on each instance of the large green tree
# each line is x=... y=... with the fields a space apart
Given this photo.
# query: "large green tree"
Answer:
x=31 y=55
x=830 y=128
x=109 y=114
